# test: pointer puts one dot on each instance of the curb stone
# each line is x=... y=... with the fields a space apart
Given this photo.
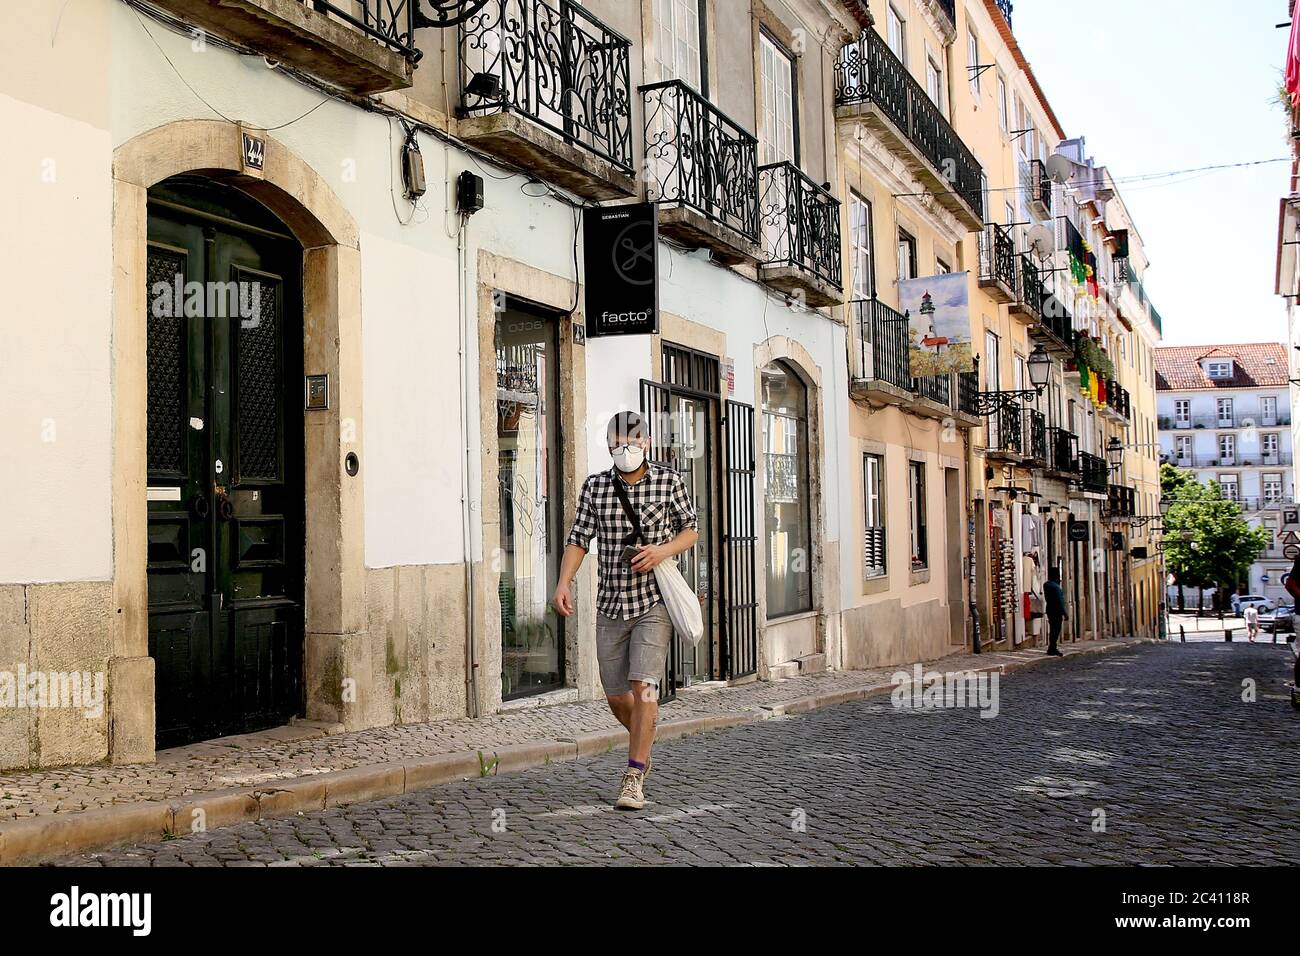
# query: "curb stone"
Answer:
x=31 y=840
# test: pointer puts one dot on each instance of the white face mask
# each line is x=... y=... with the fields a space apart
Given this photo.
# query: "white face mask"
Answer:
x=628 y=458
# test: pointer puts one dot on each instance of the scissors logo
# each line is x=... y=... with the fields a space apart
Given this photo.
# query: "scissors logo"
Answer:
x=633 y=252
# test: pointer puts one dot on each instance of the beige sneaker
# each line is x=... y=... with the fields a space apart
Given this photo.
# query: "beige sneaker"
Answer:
x=631 y=796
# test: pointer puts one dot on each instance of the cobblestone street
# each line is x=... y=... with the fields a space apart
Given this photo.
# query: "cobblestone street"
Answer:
x=1155 y=736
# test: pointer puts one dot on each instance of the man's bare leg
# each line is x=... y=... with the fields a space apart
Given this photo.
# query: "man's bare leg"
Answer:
x=641 y=729
x=621 y=706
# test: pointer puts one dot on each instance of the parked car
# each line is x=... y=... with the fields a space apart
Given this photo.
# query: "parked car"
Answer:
x=1278 y=620
x=1242 y=601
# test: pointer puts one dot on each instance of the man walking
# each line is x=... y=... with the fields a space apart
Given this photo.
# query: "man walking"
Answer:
x=1251 y=616
x=640 y=514
x=1055 y=595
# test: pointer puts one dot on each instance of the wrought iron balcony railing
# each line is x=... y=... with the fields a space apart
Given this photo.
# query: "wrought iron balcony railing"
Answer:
x=1062 y=451
x=1037 y=187
x=875 y=556
x=968 y=386
x=1055 y=326
x=1036 y=436
x=1230 y=420
x=1095 y=472
x=1121 y=501
x=1029 y=288
x=882 y=339
x=936 y=388
x=1117 y=399
x=391 y=22
x=800 y=223
x=1005 y=432
x=700 y=159
x=998 y=260
x=1239 y=459
x=562 y=68
x=867 y=71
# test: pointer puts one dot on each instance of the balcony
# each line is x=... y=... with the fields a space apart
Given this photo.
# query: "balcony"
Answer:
x=363 y=48
x=702 y=169
x=883 y=370
x=801 y=236
x=1118 y=402
x=968 y=386
x=1005 y=433
x=1062 y=452
x=1037 y=187
x=1121 y=502
x=1028 y=300
x=1054 y=328
x=1276 y=420
x=1241 y=459
x=1036 y=437
x=998 y=263
x=873 y=87
x=1094 y=473
x=549 y=90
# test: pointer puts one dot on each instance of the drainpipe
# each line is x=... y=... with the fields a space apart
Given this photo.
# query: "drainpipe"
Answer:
x=471 y=661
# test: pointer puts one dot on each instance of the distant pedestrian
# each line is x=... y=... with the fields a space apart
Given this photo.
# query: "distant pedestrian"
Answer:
x=1056 y=615
x=640 y=514
x=1251 y=614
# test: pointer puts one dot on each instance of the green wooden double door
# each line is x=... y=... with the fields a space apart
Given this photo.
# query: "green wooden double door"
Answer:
x=225 y=463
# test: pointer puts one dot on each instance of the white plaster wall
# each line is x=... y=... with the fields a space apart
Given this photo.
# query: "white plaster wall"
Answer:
x=55 y=422
x=413 y=432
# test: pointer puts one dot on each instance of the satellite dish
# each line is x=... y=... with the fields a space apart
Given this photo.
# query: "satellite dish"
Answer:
x=1041 y=240
x=1060 y=169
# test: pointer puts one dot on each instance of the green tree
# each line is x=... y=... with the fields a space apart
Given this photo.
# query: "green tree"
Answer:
x=1207 y=541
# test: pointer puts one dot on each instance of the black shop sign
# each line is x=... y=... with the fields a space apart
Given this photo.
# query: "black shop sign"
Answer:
x=621 y=246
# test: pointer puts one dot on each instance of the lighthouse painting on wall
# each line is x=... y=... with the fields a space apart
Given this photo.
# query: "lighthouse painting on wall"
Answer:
x=938 y=310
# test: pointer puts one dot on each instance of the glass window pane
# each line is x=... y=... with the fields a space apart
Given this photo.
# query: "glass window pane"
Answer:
x=532 y=636
x=787 y=515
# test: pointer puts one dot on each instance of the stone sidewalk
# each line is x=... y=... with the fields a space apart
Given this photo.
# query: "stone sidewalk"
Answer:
x=304 y=767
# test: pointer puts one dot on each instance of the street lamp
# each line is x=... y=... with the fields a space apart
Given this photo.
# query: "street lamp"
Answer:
x=1115 y=453
x=1040 y=370
x=1165 y=504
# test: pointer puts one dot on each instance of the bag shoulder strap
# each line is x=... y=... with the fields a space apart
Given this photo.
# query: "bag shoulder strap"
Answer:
x=621 y=491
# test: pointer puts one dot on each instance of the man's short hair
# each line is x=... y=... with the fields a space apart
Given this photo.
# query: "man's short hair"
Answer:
x=627 y=425
x=1054 y=574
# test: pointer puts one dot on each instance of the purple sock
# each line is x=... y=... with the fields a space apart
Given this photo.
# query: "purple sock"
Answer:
x=635 y=765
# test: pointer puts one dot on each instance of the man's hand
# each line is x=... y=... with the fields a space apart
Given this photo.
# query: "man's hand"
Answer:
x=649 y=556
x=563 y=600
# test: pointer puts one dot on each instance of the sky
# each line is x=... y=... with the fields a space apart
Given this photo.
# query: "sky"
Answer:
x=1162 y=85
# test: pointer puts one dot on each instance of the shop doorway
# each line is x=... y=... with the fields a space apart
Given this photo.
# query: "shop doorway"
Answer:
x=529 y=461
x=714 y=453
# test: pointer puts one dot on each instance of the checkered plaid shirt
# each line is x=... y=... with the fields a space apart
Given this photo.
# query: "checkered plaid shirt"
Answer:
x=661 y=502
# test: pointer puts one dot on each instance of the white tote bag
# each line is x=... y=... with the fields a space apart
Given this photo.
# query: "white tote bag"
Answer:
x=680 y=599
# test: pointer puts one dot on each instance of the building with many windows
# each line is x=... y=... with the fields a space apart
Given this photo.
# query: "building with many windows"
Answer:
x=1225 y=415
x=304 y=437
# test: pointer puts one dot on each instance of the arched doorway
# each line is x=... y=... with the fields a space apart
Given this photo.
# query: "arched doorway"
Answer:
x=224 y=448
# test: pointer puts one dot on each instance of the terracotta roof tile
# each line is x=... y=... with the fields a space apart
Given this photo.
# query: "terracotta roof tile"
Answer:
x=1178 y=367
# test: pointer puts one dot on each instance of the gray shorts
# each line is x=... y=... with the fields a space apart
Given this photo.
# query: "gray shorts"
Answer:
x=631 y=650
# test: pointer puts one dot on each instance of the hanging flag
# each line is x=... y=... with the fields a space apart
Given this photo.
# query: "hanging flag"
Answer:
x=1293 y=62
